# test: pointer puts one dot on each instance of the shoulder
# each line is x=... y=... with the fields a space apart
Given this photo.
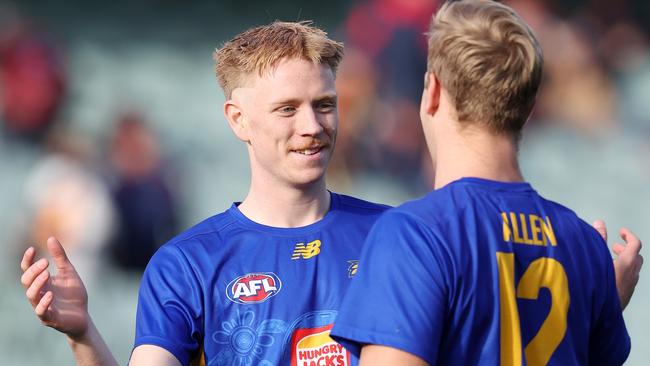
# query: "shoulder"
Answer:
x=412 y=219
x=581 y=235
x=567 y=216
x=200 y=239
x=562 y=211
x=210 y=226
x=424 y=211
x=358 y=206
x=438 y=215
x=185 y=260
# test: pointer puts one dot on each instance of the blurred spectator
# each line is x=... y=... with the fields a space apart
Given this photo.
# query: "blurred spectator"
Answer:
x=356 y=85
x=386 y=46
x=576 y=90
x=623 y=45
x=32 y=80
x=141 y=193
x=67 y=200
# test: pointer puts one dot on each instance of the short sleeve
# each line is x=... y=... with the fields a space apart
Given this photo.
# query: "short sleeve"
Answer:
x=609 y=342
x=399 y=297
x=169 y=311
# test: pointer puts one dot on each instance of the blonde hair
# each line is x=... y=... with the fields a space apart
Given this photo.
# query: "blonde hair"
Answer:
x=488 y=60
x=259 y=49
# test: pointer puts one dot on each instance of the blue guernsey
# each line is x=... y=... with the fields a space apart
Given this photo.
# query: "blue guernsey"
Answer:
x=230 y=291
x=483 y=272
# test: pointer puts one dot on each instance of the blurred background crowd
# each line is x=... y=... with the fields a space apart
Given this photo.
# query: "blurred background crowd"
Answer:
x=112 y=137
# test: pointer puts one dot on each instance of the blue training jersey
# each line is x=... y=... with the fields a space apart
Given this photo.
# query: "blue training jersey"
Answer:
x=230 y=291
x=484 y=272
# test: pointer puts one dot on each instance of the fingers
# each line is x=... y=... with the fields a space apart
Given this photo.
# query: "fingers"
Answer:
x=28 y=258
x=35 y=291
x=633 y=244
x=32 y=271
x=58 y=253
x=618 y=248
x=627 y=265
x=600 y=226
x=44 y=304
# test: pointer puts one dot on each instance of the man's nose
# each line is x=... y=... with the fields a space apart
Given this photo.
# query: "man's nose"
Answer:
x=309 y=123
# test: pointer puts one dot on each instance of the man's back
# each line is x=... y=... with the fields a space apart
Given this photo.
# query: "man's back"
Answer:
x=492 y=273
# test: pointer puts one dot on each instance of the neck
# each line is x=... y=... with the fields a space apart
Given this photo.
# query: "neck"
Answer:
x=476 y=153
x=285 y=206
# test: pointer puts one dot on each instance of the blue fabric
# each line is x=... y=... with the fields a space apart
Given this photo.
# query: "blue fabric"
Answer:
x=249 y=294
x=429 y=280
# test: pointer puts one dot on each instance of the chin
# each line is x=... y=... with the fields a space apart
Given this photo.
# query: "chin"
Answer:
x=306 y=180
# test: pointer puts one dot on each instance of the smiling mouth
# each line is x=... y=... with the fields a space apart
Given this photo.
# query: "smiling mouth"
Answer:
x=309 y=151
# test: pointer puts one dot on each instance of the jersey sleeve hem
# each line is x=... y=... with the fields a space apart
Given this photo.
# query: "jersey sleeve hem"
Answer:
x=176 y=350
x=353 y=339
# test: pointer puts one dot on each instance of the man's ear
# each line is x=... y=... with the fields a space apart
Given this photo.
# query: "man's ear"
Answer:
x=236 y=119
x=431 y=94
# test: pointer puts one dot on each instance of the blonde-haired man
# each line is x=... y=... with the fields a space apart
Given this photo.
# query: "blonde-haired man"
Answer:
x=260 y=283
x=483 y=270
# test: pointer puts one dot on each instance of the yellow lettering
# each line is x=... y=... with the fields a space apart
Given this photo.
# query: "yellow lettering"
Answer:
x=515 y=228
x=507 y=232
x=547 y=229
x=524 y=229
x=535 y=230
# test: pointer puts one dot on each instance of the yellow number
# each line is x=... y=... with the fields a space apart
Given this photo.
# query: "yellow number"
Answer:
x=542 y=272
x=510 y=331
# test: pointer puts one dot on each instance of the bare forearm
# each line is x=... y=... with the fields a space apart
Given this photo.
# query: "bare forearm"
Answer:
x=90 y=349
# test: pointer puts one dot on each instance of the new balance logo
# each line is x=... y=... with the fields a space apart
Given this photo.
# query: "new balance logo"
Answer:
x=307 y=251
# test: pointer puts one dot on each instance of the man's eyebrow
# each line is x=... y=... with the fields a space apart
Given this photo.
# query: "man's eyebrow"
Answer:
x=323 y=98
x=327 y=98
x=286 y=101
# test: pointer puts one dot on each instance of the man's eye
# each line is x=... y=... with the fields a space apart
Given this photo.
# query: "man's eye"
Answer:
x=326 y=107
x=287 y=109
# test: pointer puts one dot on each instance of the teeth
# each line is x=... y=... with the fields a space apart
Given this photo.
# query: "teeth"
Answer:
x=308 y=151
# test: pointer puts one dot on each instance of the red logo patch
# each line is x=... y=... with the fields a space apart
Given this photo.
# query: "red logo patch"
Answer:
x=314 y=347
x=253 y=288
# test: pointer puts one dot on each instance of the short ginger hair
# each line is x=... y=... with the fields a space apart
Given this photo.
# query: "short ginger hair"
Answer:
x=257 y=50
x=489 y=61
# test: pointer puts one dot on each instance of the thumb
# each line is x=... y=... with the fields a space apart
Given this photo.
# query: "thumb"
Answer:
x=600 y=226
x=55 y=248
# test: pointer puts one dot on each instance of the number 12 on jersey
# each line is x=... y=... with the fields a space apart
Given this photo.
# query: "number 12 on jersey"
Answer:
x=542 y=272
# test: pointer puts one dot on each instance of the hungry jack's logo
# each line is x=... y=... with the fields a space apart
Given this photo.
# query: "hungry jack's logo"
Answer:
x=307 y=251
x=314 y=347
x=253 y=288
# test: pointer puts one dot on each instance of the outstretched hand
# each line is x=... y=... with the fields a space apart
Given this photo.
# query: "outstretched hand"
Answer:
x=628 y=262
x=60 y=301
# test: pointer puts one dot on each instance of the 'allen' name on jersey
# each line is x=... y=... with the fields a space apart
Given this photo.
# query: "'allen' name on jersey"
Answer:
x=528 y=229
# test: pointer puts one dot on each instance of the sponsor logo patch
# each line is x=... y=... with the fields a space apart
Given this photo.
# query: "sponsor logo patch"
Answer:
x=253 y=288
x=314 y=347
x=306 y=251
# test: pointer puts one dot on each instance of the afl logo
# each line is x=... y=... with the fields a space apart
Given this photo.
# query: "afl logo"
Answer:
x=253 y=288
